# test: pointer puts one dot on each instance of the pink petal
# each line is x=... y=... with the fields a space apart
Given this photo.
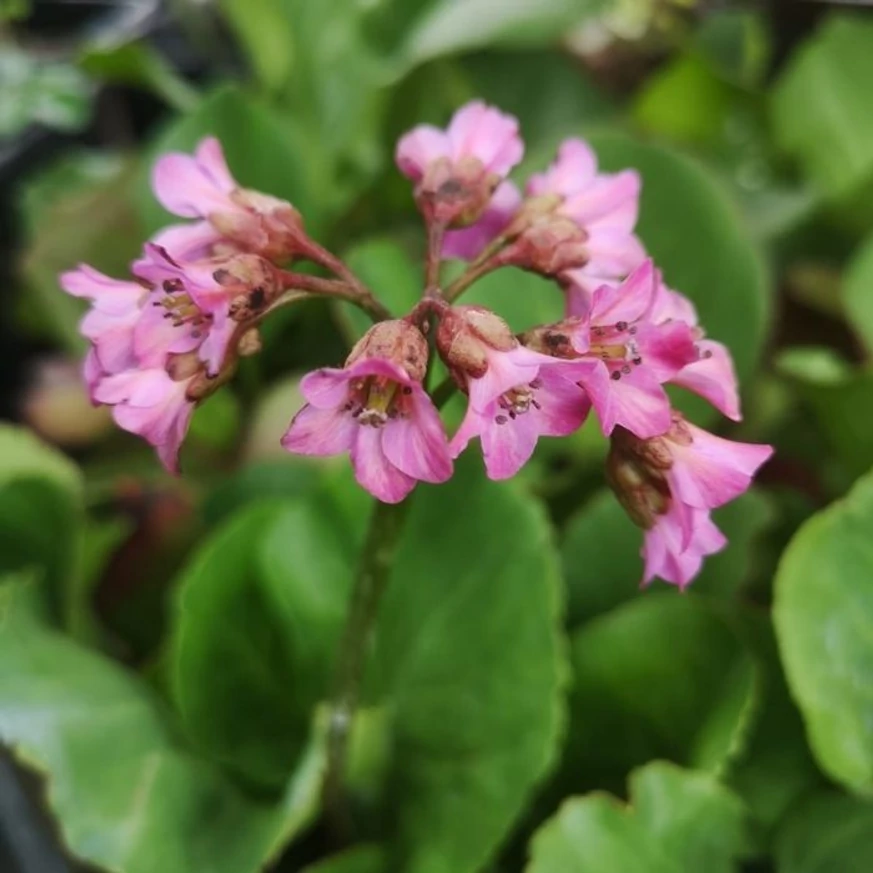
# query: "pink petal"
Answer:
x=630 y=301
x=110 y=296
x=470 y=427
x=610 y=198
x=92 y=373
x=417 y=445
x=666 y=349
x=210 y=156
x=168 y=451
x=374 y=471
x=186 y=242
x=712 y=471
x=636 y=401
x=518 y=366
x=713 y=378
x=671 y=305
x=154 y=337
x=564 y=406
x=419 y=148
x=183 y=187
x=486 y=133
x=326 y=388
x=320 y=432
x=507 y=447
x=612 y=253
x=573 y=169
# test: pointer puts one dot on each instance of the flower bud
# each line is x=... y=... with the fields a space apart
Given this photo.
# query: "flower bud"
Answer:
x=635 y=471
x=466 y=338
x=398 y=341
x=267 y=225
x=555 y=340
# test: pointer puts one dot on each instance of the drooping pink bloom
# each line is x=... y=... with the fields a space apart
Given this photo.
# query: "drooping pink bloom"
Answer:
x=522 y=396
x=477 y=132
x=467 y=243
x=109 y=325
x=711 y=374
x=150 y=403
x=201 y=186
x=670 y=483
x=458 y=170
x=375 y=411
x=625 y=358
x=603 y=205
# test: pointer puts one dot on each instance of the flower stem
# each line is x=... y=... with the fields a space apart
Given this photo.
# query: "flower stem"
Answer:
x=341 y=288
x=377 y=559
x=435 y=234
x=484 y=264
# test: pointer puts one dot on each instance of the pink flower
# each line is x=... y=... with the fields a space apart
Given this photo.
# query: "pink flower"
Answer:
x=148 y=402
x=711 y=374
x=116 y=308
x=467 y=243
x=603 y=205
x=522 y=396
x=201 y=186
x=669 y=484
x=625 y=358
x=456 y=171
x=377 y=412
x=476 y=132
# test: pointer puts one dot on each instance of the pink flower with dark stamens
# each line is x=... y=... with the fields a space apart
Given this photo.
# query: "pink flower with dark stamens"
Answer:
x=522 y=396
x=625 y=358
x=603 y=205
x=201 y=186
x=457 y=171
x=376 y=409
x=669 y=484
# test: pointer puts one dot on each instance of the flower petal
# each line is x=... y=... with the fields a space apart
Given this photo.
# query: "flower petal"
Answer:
x=713 y=378
x=374 y=471
x=420 y=147
x=507 y=447
x=417 y=445
x=320 y=432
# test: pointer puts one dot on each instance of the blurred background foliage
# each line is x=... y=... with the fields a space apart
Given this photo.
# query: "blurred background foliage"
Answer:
x=166 y=645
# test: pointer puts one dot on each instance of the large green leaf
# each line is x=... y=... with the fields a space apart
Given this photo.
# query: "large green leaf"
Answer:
x=602 y=563
x=468 y=661
x=127 y=795
x=857 y=293
x=821 y=108
x=662 y=676
x=823 y=614
x=259 y=610
x=265 y=150
x=697 y=238
x=828 y=832
x=361 y=859
x=677 y=821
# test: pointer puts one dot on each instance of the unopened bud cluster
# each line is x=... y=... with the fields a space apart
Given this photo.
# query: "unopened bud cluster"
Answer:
x=167 y=337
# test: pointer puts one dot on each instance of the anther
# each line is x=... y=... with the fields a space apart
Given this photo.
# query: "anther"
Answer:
x=501 y=419
x=621 y=325
x=615 y=375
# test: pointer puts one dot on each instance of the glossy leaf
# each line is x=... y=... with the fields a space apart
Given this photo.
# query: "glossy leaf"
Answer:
x=827 y=832
x=468 y=657
x=676 y=821
x=361 y=859
x=823 y=613
x=259 y=610
x=662 y=676
x=66 y=712
x=821 y=105
x=857 y=293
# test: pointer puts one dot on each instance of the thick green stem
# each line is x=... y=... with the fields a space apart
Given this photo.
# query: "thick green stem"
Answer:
x=377 y=559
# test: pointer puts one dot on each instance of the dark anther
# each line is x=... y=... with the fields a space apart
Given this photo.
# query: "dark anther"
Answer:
x=556 y=340
x=621 y=325
x=500 y=419
x=257 y=298
x=625 y=369
x=407 y=389
x=221 y=276
x=450 y=188
x=513 y=414
x=632 y=331
x=615 y=375
x=707 y=354
x=172 y=285
x=637 y=361
x=535 y=404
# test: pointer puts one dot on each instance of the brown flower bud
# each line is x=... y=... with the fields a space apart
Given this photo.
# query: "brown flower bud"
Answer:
x=263 y=224
x=397 y=340
x=553 y=339
x=465 y=337
x=455 y=194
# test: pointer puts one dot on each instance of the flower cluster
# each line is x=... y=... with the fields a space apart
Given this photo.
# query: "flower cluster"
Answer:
x=166 y=339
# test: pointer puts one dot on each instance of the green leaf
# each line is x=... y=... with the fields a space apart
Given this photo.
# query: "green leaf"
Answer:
x=468 y=662
x=156 y=809
x=857 y=293
x=826 y=833
x=820 y=106
x=23 y=455
x=138 y=64
x=361 y=859
x=602 y=563
x=523 y=299
x=264 y=150
x=386 y=267
x=676 y=821
x=662 y=676
x=451 y=26
x=259 y=611
x=697 y=238
x=823 y=614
